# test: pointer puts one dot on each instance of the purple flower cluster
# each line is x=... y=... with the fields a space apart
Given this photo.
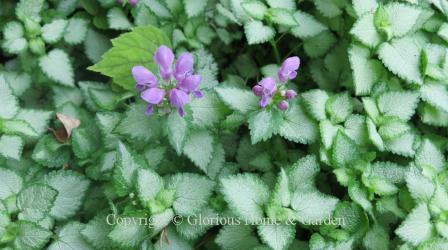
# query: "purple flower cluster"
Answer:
x=177 y=84
x=268 y=90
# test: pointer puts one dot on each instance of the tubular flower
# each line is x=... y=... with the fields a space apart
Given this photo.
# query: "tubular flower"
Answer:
x=278 y=95
x=176 y=90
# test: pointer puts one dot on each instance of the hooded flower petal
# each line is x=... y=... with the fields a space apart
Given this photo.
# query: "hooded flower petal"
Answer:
x=153 y=95
x=269 y=86
x=164 y=57
x=288 y=70
x=144 y=78
x=149 y=110
x=190 y=83
x=184 y=66
x=178 y=98
x=258 y=90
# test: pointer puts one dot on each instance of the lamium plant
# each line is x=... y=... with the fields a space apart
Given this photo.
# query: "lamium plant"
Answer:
x=223 y=124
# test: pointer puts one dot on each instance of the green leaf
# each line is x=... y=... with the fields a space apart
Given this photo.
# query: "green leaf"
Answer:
x=30 y=236
x=410 y=16
x=69 y=237
x=129 y=50
x=264 y=123
x=128 y=236
x=240 y=100
x=11 y=146
x=255 y=9
x=392 y=127
x=329 y=8
x=365 y=32
x=57 y=66
x=71 y=187
x=318 y=45
x=306 y=169
x=84 y=144
x=50 y=153
x=194 y=8
x=296 y=126
x=363 y=6
x=126 y=166
x=366 y=71
x=402 y=145
x=328 y=132
x=314 y=101
x=193 y=192
x=18 y=127
x=208 y=110
x=199 y=148
x=76 y=31
x=256 y=32
x=194 y=230
x=402 y=57
x=344 y=150
x=136 y=125
x=434 y=116
x=401 y=104
x=207 y=67
x=339 y=107
x=29 y=9
x=149 y=184
x=307 y=25
x=107 y=122
x=246 y=195
x=376 y=238
x=177 y=131
x=277 y=237
x=11 y=183
x=53 y=32
x=37 y=197
x=429 y=156
x=173 y=241
x=10 y=104
x=118 y=20
x=313 y=207
x=238 y=237
x=95 y=232
x=417 y=226
x=18 y=83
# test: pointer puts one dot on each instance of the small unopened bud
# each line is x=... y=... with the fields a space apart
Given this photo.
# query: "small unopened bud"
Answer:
x=258 y=90
x=133 y=2
x=283 y=105
x=37 y=46
x=290 y=94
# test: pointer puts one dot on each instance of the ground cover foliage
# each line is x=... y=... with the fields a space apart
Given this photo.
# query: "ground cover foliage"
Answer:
x=231 y=124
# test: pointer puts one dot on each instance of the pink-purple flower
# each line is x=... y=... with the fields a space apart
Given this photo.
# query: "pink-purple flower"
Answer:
x=176 y=85
x=268 y=90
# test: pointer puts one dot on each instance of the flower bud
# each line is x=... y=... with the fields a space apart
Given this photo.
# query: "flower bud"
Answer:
x=290 y=94
x=37 y=46
x=32 y=28
x=258 y=90
x=283 y=105
x=133 y=2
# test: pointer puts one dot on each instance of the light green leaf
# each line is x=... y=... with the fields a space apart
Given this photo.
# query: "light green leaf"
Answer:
x=366 y=71
x=194 y=8
x=18 y=127
x=136 y=125
x=237 y=237
x=436 y=95
x=240 y=100
x=282 y=17
x=57 y=66
x=417 y=226
x=193 y=192
x=128 y=236
x=30 y=236
x=50 y=152
x=434 y=116
x=71 y=187
x=313 y=207
x=11 y=146
x=401 y=104
x=328 y=132
x=402 y=57
x=420 y=187
x=255 y=9
x=376 y=238
x=95 y=45
x=314 y=101
x=37 y=197
x=256 y=32
x=118 y=20
x=11 y=183
x=363 y=6
x=18 y=82
x=149 y=183
x=177 y=131
x=329 y=8
x=69 y=237
x=83 y=143
x=402 y=145
x=246 y=195
x=199 y=148
x=95 y=232
x=344 y=150
x=129 y=50
x=392 y=127
x=408 y=19
x=284 y=4
x=76 y=31
x=264 y=123
x=429 y=156
x=318 y=45
x=29 y=9
x=365 y=32
x=53 y=32
x=10 y=104
x=37 y=119
x=339 y=107
x=126 y=166
x=307 y=26
x=278 y=237
x=296 y=126
x=208 y=110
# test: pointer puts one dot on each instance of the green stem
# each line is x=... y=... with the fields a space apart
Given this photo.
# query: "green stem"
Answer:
x=277 y=54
